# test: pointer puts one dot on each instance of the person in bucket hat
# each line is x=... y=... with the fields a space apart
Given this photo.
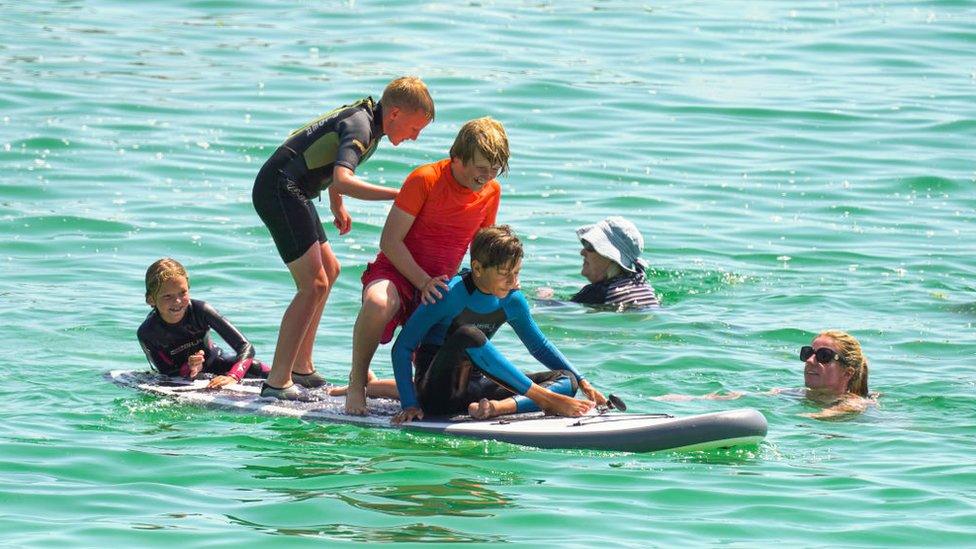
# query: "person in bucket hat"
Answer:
x=613 y=266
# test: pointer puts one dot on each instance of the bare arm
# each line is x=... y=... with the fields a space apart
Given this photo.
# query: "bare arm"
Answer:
x=346 y=182
x=591 y=393
x=731 y=395
x=848 y=406
x=398 y=223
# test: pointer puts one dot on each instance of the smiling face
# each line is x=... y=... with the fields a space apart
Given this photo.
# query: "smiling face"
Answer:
x=172 y=299
x=499 y=280
x=400 y=125
x=595 y=266
x=831 y=377
x=474 y=174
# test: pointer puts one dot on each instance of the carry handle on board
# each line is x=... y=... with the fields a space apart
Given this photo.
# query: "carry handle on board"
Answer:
x=613 y=401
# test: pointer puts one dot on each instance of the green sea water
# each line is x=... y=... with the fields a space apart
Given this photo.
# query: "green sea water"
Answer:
x=794 y=166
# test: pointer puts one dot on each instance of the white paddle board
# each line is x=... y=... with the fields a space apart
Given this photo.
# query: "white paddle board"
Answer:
x=609 y=430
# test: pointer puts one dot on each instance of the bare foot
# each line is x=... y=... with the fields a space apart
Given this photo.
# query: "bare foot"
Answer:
x=482 y=409
x=356 y=401
x=338 y=391
x=567 y=406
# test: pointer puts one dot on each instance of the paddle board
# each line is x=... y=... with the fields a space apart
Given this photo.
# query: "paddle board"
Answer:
x=609 y=430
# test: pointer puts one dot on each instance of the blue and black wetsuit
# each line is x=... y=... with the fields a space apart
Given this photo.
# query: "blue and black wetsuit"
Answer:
x=169 y=346
x=301 y=168
x=456 y=362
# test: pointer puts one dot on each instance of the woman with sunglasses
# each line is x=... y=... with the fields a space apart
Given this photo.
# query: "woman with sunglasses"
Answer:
x=835 y=373
x=612 y=265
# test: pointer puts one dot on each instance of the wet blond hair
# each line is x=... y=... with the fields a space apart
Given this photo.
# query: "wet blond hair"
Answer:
x=161 y=271
x=410 y=94
x=485 y=135
x=496 y=246
x=851 y=355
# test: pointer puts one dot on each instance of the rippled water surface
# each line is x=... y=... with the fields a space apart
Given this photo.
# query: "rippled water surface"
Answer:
x=793 y=166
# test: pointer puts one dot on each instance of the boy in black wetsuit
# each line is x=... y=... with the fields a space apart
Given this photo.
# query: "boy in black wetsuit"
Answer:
x=176 y=334
x=324 y=154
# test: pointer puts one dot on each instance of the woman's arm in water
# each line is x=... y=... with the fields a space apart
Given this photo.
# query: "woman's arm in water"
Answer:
x=731 y=395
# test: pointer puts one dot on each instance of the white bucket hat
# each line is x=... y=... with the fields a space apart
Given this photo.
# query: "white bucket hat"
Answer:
x=616 y=239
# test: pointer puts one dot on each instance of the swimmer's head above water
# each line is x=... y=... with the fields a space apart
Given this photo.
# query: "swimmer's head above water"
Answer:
x=834 y=363
x=610 y=248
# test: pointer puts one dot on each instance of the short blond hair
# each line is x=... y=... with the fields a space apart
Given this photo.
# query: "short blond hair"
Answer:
x=408 y=93
x=496 y=246
x=161 y=271
x=485 y=135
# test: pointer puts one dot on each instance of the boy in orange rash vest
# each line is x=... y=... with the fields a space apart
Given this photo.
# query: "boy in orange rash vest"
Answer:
x=433 y=220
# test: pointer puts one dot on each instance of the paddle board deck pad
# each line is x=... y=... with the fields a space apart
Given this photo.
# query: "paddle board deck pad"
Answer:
x=598 y=431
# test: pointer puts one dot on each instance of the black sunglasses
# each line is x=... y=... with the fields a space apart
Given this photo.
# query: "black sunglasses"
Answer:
x=587 y=246
x=824 y=355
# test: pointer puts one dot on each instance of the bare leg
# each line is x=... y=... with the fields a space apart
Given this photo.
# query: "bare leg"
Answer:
x=377 y=388
x=313 y=287
x=303 y=361
x=484 y=408
x=381 y=301
x=549 y=401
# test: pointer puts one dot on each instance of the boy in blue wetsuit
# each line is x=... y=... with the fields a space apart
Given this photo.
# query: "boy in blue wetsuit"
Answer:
x=459 y=370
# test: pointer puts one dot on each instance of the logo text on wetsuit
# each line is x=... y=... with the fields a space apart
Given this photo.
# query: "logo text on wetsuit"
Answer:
x=185 y=346
x=316 y=125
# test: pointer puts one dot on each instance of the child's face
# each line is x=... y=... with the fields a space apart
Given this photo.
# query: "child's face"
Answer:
x=172 y=299
x=404 y=125
x=474 y=174
x=498 y=281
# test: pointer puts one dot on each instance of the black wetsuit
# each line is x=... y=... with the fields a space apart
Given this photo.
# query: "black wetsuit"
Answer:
x=169 y=346
x=301 y=168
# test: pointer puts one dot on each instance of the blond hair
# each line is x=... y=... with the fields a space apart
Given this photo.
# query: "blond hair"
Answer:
x=496 y=246
x=410 y=94
x=161 y=271
x=485 y=135
x=851 y=356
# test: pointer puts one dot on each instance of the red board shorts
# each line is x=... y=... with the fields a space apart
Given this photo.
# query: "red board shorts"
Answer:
x=409 y=296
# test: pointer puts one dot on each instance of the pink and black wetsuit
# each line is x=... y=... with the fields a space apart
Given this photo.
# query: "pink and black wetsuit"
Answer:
x=169 y=346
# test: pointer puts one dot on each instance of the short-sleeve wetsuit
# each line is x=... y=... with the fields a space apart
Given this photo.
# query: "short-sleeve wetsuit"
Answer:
x=456 y=362
x=169 y=346
x=301 y=168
